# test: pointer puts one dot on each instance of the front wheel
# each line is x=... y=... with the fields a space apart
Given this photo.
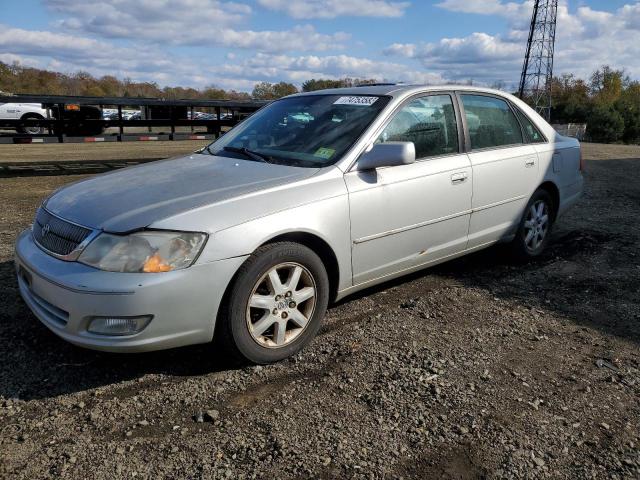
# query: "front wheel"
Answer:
x=276 y=304
x=535 y=226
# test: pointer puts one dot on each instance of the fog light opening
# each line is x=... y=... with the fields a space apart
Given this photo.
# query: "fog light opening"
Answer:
x=118 y=325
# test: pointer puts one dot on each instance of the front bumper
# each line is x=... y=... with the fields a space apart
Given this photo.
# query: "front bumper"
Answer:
x=65 y=296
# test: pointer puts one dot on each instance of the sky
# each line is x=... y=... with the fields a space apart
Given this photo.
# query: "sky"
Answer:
x=235 y=44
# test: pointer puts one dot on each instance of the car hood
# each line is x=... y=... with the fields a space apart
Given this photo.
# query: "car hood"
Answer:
x=135 y=197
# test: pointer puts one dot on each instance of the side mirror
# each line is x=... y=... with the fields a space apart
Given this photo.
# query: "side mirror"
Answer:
x=387 y=154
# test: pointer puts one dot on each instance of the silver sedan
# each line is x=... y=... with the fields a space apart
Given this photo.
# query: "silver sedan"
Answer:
x=312 y=198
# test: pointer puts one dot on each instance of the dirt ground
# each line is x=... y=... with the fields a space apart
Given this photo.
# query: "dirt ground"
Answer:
x=54 y=152
x=478 y=368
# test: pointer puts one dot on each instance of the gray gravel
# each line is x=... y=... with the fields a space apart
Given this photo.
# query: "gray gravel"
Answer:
x=478 y=368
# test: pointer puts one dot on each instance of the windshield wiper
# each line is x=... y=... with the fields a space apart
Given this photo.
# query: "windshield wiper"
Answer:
x=249 y=153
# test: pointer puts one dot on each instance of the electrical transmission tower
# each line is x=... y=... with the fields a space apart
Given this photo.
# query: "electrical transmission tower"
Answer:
x=537 y=71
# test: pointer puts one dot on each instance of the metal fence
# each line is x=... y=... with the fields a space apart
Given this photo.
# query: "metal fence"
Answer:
x=82 y=119
x=576 y=130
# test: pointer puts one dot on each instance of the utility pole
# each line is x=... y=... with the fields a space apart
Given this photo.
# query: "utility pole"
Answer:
x=537 y=71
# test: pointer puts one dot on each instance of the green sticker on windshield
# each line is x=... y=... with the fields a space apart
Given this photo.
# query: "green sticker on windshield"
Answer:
x=325 y=153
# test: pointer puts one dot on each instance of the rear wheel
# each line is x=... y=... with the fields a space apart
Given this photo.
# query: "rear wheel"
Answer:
x=535 y=226
x=32 y=129
x=276 y=304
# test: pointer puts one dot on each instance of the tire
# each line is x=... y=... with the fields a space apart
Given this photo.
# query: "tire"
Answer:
x=535 y=226
x=271 y=328
x=33 y=130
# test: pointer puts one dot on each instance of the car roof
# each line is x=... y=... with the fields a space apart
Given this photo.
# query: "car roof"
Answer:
x=399 y=90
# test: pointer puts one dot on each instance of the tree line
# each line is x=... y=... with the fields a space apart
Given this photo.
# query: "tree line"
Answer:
x=16 y=78
x=608 y=102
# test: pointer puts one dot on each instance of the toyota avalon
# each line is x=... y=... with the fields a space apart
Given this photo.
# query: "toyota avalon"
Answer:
x=314 y=197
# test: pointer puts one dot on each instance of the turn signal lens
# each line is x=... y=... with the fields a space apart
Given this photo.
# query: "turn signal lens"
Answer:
x=155 y=264
x=72 y=107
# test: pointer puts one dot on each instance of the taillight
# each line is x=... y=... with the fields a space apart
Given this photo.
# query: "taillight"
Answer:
x=582 y=162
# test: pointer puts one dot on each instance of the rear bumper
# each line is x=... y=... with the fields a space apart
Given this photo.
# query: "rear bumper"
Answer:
x=65 y=296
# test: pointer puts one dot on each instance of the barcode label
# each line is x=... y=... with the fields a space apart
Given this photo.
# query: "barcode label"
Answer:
x=356 y=100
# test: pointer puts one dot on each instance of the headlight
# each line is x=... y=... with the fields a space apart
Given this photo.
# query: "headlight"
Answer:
x=148 y=251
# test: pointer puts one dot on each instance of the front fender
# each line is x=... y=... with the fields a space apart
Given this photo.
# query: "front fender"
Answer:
x=327 y=219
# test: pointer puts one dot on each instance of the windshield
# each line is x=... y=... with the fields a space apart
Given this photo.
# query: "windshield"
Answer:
x=305 y=131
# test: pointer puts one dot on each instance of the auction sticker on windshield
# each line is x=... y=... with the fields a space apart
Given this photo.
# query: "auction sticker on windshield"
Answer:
x=356 y=100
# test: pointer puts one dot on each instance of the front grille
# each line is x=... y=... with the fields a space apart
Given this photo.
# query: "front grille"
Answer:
x=57 y=235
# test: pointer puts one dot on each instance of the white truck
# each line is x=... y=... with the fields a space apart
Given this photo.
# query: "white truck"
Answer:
x=23 y=111
x=76 y=114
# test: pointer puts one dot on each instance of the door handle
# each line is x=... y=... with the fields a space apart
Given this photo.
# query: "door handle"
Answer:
x=529 y=162
x=458 y=178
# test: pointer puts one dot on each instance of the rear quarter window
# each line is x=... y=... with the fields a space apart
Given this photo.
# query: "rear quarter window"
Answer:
x=531 y=132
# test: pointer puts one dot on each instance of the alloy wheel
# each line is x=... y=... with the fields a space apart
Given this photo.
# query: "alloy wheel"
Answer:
x=281 y=305
x=536 y=225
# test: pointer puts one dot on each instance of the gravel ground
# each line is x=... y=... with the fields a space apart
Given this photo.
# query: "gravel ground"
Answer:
x=478 y=368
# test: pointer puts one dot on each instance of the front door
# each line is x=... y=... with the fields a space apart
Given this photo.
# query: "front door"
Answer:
x=410 y=215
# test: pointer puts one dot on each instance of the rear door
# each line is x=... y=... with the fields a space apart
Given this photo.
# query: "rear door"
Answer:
x=505 y=167
x=410 y=215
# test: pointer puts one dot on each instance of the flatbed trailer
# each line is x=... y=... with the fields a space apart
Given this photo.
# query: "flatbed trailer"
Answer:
x=73 y=118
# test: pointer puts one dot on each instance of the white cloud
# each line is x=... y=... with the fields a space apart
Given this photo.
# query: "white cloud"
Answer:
x=585 y=40
x=490 y=7
x=300 y=38
x=479 y=56
x=300 y=68
x=77 y=49
x=17 y=40
x=475 y=48
x=631 y=15
x=336 y=8
x=407 y=50
x=123 y=18
x=146 y=31
x=186 y=22
x=518 y=14
x=10 y=58
x=70 y=53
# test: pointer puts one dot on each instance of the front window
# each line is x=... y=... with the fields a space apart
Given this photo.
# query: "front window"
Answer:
x=429 y=122
x=304 y=131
